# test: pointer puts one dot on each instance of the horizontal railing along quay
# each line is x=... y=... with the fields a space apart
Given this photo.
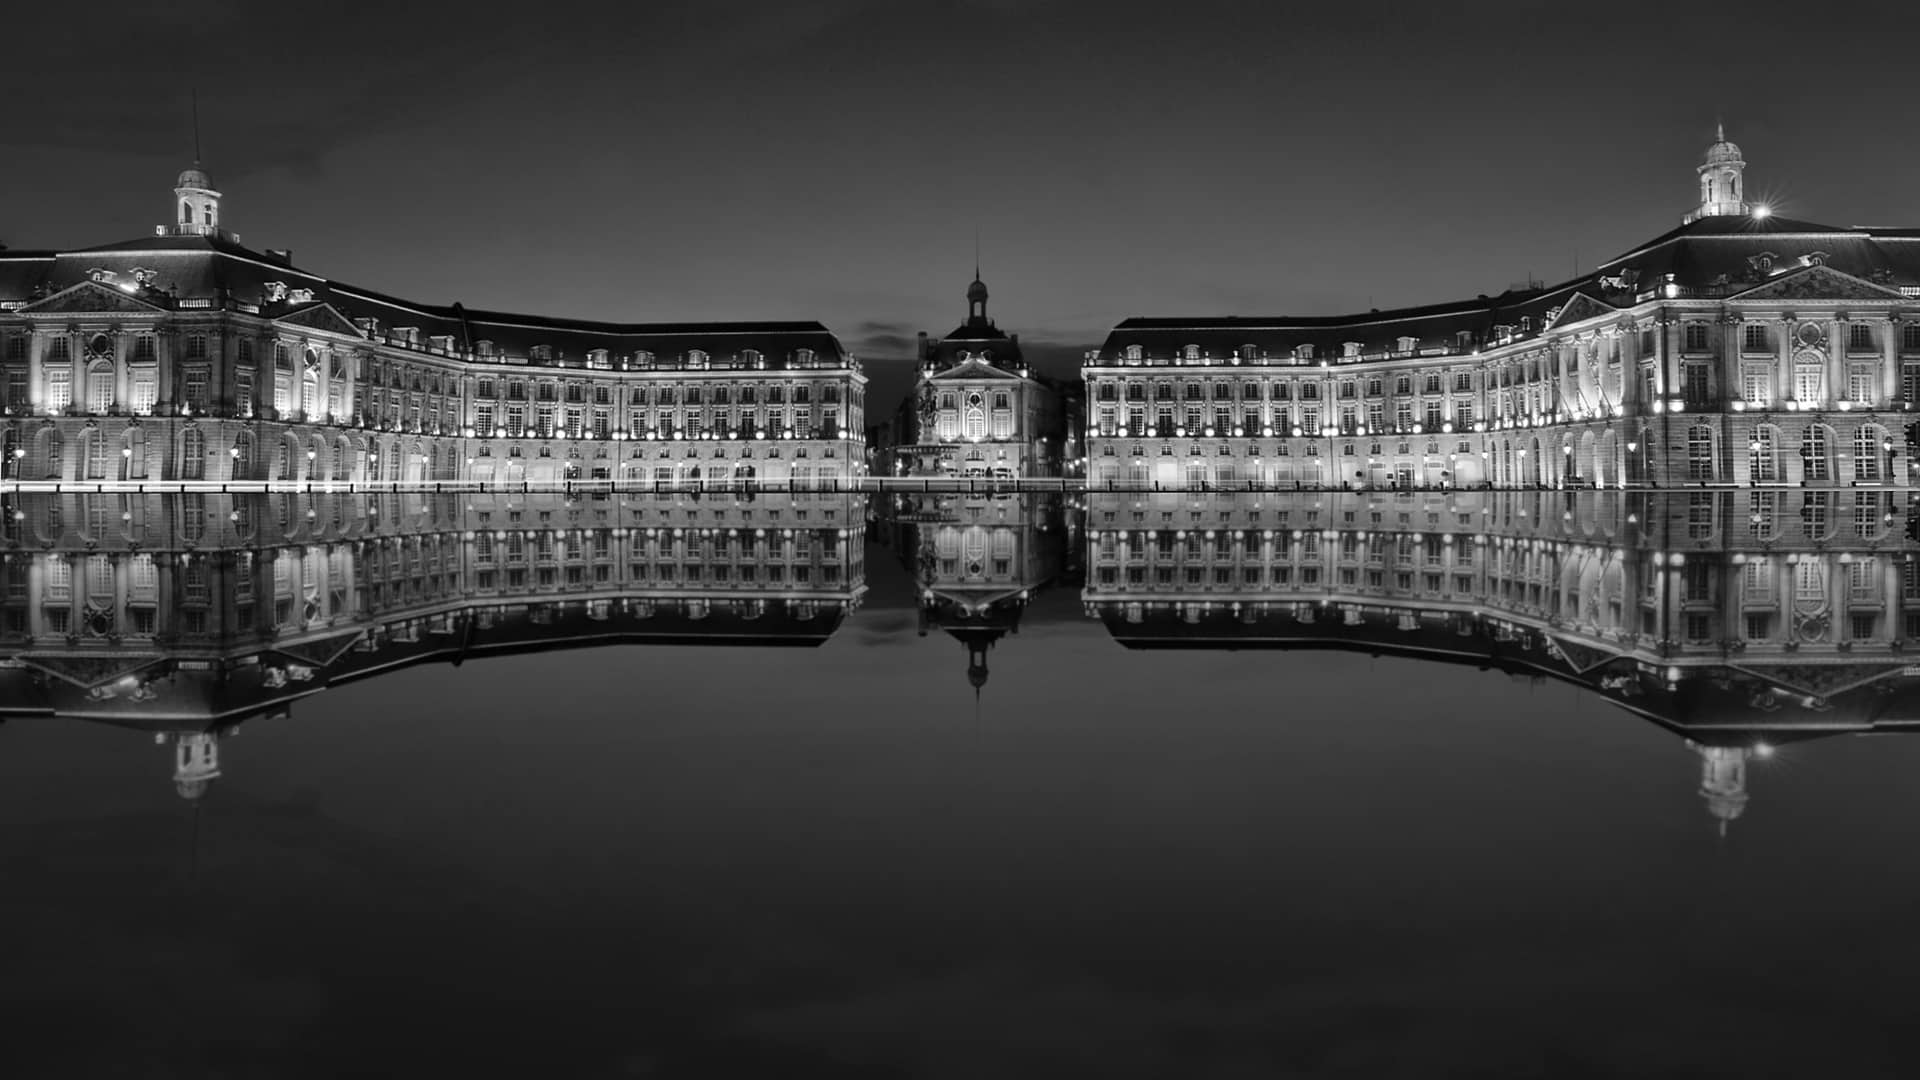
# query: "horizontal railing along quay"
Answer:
x=855 y=485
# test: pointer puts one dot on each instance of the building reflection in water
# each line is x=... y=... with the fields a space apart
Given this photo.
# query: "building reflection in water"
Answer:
x=978 y=561
x=1739 y=620
x=187 y=615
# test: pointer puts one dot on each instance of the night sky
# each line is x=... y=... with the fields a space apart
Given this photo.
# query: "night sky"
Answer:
x=833 y=160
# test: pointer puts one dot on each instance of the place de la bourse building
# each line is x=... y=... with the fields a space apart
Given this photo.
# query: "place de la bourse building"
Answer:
x=185 y=356
x=1740 y=348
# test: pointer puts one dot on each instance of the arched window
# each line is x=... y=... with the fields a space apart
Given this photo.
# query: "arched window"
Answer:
x=974 y=419
x=1809 y=377
x=92 y=455
x=1763 y=454
x=1866 y=452
x=1699 y=452
x=52 y=454
x=1816 y=450
x=243 y=456
x=193 y=454
x=186 y=213
x=207 y=214
x=100 y=388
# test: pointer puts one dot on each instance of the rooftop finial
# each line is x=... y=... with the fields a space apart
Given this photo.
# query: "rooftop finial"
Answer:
x=1719 y=131
x=976 y=253
x=195 y=92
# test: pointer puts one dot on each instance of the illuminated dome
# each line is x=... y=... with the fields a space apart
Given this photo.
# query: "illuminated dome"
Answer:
x=194 y=178
x=977 y=292
x=1724 y=152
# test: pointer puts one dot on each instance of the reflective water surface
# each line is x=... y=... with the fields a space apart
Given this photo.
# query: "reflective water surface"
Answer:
x=1119 y=784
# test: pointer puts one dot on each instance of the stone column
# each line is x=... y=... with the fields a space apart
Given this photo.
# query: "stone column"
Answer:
x=122 y=370
x=1783 y=328
x=1889 y=364
x=77 y=356
x=36 y=386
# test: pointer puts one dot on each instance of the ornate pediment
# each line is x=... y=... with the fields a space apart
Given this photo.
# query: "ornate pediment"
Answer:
x=975 y=369
x=1818 y=282
x=92 y=298
x=1578 y=309
x=321 y=316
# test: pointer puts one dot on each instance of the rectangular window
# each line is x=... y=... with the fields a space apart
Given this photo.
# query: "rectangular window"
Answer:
x=195 y=391
x=1694 y=388
x=59 y=389
x=1754 y=337
x=1756 y=384
x=1860 y=385
x=1859 y=337
x=1696 y=337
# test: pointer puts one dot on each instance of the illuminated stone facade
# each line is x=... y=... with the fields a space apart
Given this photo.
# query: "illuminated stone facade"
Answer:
x=186 y=614
x=186 y=357
x=978 y=409
x=1740 y=349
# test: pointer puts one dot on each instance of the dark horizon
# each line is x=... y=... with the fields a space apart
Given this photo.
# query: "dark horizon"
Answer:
x=681 y=164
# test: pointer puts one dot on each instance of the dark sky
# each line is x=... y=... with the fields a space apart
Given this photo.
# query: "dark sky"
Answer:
x=832 y=160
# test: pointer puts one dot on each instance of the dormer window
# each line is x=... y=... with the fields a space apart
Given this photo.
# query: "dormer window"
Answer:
x=1526 y=324
x=1814 y=258
x=1249 y=352
x=1405 y=344
x=1191 y=353
x=696 y=358
x=1463 y=340
x=541 y=353
x=803 y=357
x=599 y=358
x=442 y=342
x=1135 y=353
x=1303 y=352
x=486 y=349
x=1350 y=349
x=752 y=358
x=406 y=335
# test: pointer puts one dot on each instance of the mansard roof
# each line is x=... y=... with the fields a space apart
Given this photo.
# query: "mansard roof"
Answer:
x=1712 y=257
x=217 y=268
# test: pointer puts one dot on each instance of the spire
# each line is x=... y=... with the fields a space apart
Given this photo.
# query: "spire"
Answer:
x=196 y=202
